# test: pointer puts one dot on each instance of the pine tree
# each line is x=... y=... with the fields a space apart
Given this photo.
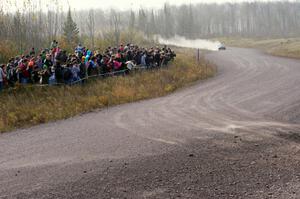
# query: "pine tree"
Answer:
x=191 y=25
x=70 y=31
x=18 y=31
x=132 y=20
x=142 y=20
x=152 y=24
x=168 y=21
x=131 y=27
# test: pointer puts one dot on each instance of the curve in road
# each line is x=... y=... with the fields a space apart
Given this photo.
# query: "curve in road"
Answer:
x=235 y=135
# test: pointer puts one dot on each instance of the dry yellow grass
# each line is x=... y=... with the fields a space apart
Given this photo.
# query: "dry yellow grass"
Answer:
x=27 y=106
x=288 y=47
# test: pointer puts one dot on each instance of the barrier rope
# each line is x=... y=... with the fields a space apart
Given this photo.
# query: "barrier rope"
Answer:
x=101 y=75
x=82 y=79
x=137 y=67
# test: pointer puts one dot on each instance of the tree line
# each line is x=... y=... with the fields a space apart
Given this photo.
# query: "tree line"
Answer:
x=248 y=19
x=33 y=26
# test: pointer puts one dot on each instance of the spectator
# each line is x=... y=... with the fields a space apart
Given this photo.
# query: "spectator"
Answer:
x=32 y=52
x=143 y=59
x=55 y=66
x=75 y=72
x=2 y=76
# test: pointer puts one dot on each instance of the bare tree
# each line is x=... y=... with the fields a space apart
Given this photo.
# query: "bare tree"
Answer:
x=115 y=23
x=35 y=24
x=91 y=27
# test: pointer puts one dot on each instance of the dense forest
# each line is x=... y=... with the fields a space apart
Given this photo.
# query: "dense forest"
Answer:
x=35 y=26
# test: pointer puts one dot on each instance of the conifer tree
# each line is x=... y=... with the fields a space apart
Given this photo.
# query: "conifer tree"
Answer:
x=70 y=31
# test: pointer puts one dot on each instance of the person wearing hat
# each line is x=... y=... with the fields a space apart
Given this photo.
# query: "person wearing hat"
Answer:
x=79 y=51
x=54 y=44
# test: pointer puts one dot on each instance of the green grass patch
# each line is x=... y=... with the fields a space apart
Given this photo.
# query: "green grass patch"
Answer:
x=28 y=106
x=287 y=47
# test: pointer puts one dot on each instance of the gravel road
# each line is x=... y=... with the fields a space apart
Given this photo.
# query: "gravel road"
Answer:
x=236 y=135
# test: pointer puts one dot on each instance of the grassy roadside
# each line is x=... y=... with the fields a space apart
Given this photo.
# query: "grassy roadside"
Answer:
x=289 y=47
x=28 y=106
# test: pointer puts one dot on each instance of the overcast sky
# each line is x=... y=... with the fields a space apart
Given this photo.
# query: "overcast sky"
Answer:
x=119 y=4
x=135 y=4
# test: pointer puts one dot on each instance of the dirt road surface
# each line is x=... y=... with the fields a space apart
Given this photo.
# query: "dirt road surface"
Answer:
x=236 y=135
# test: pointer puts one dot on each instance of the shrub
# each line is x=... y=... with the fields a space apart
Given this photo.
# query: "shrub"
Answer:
x=26 y=106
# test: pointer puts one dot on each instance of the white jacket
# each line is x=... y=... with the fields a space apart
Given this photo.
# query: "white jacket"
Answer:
x=1 y=75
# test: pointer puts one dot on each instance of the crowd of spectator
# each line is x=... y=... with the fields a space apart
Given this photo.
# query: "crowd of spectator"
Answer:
x=55 y=66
